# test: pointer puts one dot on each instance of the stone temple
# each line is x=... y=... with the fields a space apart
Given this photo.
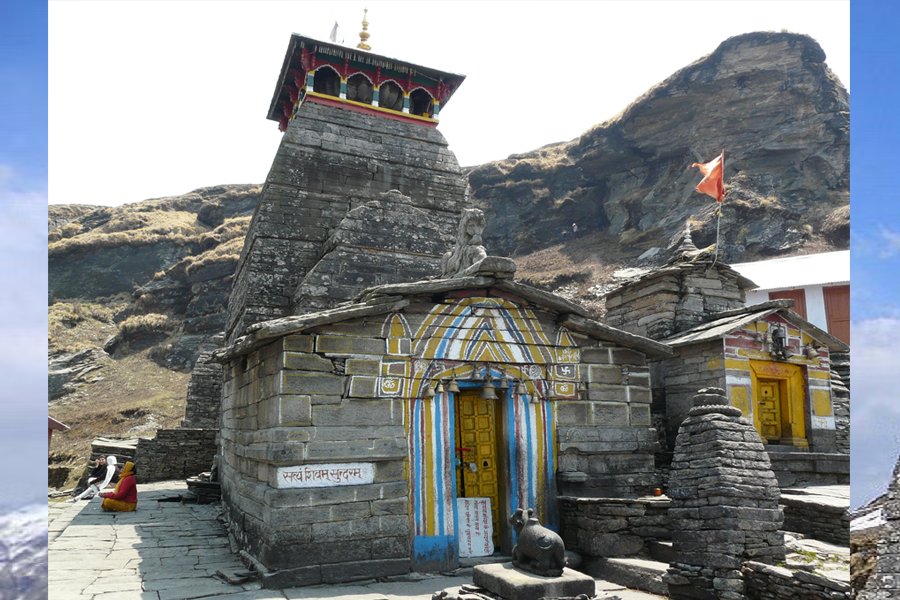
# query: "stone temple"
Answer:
x=392 y=395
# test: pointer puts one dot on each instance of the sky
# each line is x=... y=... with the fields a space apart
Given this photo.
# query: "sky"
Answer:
x=23 y=251
x=875 y=248
x=151 y=99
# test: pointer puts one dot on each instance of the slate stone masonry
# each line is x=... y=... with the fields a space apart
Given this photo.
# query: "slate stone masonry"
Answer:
x=330 y=162
x=613 y=526
x=769 y=582
x=286 y=405
x=675 y=298
x=204 y=394
x=724 y=502
x=175 y=454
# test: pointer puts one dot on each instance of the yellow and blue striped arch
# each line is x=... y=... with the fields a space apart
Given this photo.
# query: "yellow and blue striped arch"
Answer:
x=457 y=340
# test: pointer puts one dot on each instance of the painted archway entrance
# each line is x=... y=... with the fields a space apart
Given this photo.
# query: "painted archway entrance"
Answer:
x=471 y=340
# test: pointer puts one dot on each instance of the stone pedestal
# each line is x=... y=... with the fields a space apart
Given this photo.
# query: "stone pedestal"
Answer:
x=509 y=582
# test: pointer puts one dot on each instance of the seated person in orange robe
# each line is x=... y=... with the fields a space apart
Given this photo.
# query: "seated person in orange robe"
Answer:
x=124 y=497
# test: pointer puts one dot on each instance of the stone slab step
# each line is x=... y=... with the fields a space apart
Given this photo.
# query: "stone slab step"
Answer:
x=633 y=573
x=661 y=550
x=506 y=581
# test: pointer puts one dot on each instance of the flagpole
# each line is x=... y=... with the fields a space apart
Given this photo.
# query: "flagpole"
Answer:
x=719 y=211
x=718 y=223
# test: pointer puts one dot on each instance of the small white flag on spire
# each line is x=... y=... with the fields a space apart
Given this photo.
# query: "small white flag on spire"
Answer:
x=333 y=36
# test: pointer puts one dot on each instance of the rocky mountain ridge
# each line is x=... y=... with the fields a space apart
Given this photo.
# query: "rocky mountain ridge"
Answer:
x=768 y=99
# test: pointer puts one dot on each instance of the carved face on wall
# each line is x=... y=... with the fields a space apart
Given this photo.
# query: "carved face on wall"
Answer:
x=472 y=225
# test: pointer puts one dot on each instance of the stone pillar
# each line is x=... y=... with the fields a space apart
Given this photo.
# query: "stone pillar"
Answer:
x=884 y=582
x=840 y=398
x=724 y=502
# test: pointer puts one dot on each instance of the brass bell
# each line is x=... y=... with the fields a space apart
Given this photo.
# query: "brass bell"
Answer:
x=453 y=388
x=440 y=387
x=487 y=392
x=428 y=391
x=520 y=389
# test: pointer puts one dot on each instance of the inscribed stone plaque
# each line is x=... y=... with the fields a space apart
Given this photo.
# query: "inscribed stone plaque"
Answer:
x=325 y=475
x=475 y=528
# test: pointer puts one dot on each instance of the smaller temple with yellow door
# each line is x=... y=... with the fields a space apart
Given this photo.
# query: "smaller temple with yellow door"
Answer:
x=774 y=365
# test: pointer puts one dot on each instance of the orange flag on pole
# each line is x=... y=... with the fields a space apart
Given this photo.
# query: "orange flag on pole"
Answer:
x=712 y=184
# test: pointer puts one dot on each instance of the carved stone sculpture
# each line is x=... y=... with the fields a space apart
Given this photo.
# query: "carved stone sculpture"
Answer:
x=468 y=250
x=539 y=550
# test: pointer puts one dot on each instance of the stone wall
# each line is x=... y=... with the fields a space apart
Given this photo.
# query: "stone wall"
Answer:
x=613 y=526
x=365 y=250
x=175 y=454
x=840 y=394
x=605 y=439
x=675 y=298
x=768 y=582
x=204 y=394
x=826 y=521
x=678 y=379
x=287 y=405
x=810 y=468
x=330 y=161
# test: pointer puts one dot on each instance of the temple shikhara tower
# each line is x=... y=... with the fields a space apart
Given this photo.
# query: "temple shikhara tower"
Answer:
x=356 y=126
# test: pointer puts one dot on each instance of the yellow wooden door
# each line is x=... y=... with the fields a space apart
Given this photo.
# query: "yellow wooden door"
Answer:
x=770 y=410
x=779 y=403
x=476 y=444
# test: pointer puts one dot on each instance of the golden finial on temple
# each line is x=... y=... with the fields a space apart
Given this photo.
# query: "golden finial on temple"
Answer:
x=364 y=34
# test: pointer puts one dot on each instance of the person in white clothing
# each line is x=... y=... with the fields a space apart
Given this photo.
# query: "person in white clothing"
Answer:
x=96 y=484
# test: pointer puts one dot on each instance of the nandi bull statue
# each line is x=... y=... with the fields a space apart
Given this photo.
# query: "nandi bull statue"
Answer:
x=539 y=550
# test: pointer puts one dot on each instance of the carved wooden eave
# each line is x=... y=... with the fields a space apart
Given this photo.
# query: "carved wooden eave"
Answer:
x=260 y=334
x=298 y=43
x=721 y=324
x=601 y=331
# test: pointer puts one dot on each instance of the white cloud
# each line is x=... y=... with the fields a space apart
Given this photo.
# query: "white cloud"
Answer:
x=23 y=319
x=875 y=410
x=889 y=245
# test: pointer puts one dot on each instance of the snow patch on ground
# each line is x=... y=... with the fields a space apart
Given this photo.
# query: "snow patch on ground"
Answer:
x=23 y=553
x=868 y=521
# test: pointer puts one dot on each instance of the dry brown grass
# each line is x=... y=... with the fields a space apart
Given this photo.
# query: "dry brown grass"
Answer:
x=76 y=326
x=146 y=323
x=132 y=397
x=129 y=396
x=131 y=229
x=230 y=229
x=575 y=270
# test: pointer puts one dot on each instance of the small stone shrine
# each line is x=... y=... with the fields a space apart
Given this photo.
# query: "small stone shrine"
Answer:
x=774 y=365
x=724 y=502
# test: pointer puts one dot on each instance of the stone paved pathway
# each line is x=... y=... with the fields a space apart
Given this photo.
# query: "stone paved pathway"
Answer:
x=171 y=551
